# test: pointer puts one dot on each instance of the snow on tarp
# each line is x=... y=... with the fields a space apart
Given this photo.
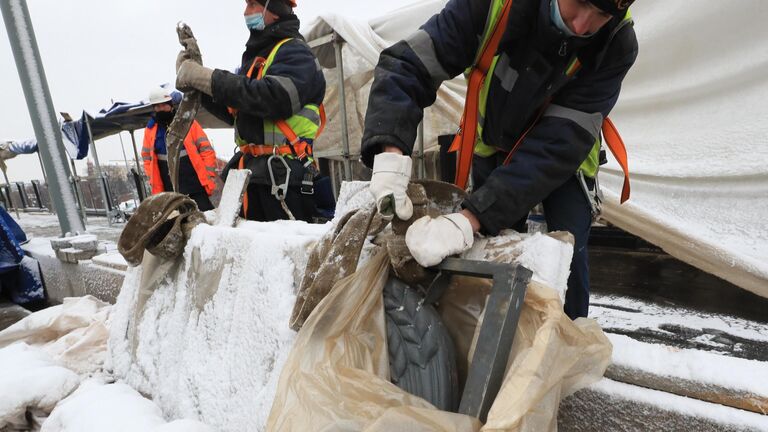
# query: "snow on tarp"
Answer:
x=30 y=380
x=692 y=114
x=74 y=333
x=97 y=407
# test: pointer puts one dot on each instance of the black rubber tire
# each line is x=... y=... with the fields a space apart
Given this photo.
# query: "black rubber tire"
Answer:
x=421 y=352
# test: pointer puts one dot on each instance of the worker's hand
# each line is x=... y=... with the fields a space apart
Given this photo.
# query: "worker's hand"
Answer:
x=193 y=76
x=391 y=174
x=431 y=240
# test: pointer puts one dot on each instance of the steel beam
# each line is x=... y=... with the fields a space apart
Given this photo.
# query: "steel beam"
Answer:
x=338 y=43
x=494 y=342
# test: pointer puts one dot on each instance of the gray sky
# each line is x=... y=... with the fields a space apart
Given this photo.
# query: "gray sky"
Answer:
x=94 y=51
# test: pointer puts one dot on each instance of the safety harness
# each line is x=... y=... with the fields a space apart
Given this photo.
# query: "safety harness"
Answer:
x=467 y=134
x=295 y=147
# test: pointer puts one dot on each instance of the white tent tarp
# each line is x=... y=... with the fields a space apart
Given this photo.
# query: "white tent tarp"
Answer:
x=692 y=113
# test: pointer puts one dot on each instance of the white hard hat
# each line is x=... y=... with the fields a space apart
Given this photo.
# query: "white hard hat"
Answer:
x=159 y=95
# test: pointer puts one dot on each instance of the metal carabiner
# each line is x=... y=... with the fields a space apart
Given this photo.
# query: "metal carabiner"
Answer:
x=279 y=191
x=594 y=198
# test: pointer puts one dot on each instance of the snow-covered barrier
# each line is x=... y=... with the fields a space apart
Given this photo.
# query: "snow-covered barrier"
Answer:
x=206 y=336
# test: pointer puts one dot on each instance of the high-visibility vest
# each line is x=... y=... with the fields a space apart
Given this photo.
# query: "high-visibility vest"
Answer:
x=303 y=126
x=469 y=139
x=198 y=149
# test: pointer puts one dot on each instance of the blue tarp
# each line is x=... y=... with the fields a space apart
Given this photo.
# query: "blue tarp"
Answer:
x=23 y=147
x=20 y=276
x=120 y=117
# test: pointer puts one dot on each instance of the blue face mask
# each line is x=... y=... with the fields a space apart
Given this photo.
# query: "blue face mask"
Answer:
x=557 y=20
x=255 y=21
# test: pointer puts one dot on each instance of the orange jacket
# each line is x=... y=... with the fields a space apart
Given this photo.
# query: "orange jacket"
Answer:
x=200 y=153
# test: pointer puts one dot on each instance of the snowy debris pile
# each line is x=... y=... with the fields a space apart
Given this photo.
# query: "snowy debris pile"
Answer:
x=206 y=335
x=77 y=248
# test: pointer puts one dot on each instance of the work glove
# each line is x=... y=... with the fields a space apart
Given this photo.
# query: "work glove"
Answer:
x=430 y=240
x=391 y=174
x=181 y=58
x=193 y=76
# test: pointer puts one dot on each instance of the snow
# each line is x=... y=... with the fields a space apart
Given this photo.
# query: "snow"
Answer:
x=644 y=315
x=98 y=407
x=690 y=407
x=705 y=367
x=210 y=341
x=352 y=195
x=35 y=382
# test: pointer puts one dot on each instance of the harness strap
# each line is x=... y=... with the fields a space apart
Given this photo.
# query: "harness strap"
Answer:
x=466 y=136
x=464 y=142
x=616 y=146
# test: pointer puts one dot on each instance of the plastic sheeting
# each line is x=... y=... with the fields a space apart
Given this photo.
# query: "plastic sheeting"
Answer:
x=337 y=375
x=74 y=333
x=692 y=113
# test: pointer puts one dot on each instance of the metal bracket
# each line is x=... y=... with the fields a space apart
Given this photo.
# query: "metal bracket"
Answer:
x=494 y=343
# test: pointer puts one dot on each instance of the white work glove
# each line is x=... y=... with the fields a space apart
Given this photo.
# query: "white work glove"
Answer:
x=192 y=75
x=391 y=174
x=431 y=240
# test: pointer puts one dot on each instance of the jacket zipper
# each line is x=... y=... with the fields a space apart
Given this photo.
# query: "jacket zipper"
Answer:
x=563 y=48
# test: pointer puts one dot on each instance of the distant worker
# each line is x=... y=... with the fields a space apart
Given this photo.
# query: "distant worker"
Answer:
x=532 y=123
x=274 y=102
x=197 y=160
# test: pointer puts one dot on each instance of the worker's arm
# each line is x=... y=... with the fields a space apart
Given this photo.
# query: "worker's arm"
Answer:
x=558 y=144
x=293 y=80
x=409 y=73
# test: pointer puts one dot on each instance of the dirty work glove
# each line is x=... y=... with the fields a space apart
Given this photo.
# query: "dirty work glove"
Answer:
x=431 y=240
x=181 y=58
x=193 y=76
x=391 y=174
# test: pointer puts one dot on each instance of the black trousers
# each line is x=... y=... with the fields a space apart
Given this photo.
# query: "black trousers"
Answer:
x=565 y=209
x=264 y=207
x=202 y=200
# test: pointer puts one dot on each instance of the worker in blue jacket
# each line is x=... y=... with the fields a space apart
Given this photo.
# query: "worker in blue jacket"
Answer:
x=276 y=93
x=558 y=72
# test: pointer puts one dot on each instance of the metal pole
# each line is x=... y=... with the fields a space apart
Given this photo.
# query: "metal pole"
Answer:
x=78 y=192
x=10 y=200
x=104 y=193
x=45 y=179
x=32 y=75
x=337 y=45
x=122 y=147
x=136 y=153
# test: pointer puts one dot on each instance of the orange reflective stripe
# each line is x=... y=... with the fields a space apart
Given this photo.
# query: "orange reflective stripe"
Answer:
x=300 y=150
x=616 y=145
x=322 y=120
x=465 y=139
